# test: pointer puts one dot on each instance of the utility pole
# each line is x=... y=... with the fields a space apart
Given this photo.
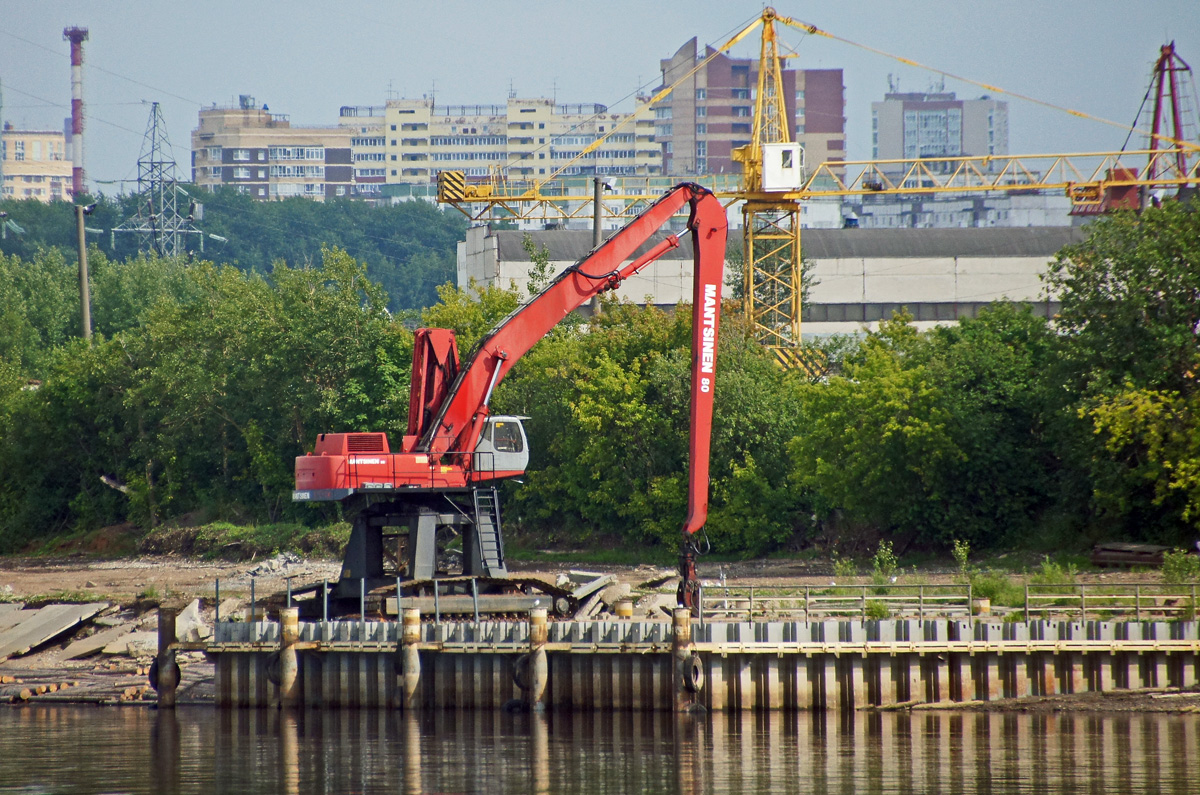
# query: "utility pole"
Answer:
x=597 y=231
x=85 y=300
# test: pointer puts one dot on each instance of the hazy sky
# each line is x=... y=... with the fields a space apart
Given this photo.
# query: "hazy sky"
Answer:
x=307 y=59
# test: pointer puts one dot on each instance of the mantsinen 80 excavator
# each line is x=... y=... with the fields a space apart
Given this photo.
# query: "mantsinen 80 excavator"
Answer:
x=441 y=482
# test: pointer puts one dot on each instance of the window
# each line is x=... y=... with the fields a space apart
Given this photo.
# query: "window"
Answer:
x=37 y=150
x=368 y=142
x=662 y=113
x=701 y=93
x=506 y=437
x=741 y=110
x=298 y=171
x=262 y=173
x=741 y=93
x=341 y=190
x=297 y=153
x=261 y=154
x=542 y=126
x=664 y=130
x=262 y=191
x=241 y=173
x=215 y=172
x=214 y=153
x=240 y=155
x=393 y=128
x=18 y=150
x=701 y=113
x=799 y=95
x=393 y=170
x=701 y=129
x=744 y=128
x=527 y=110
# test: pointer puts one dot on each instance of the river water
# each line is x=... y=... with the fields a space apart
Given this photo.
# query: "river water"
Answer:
x=70 y=749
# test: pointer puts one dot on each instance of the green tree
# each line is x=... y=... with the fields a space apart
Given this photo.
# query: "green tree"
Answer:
x=1131 y=321
x=1130 y=298
x=935 y=435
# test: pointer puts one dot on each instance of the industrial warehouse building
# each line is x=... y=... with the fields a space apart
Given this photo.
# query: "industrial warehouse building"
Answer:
x=861 y=276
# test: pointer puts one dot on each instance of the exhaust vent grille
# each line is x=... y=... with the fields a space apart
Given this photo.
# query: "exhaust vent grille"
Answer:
x=366 y=443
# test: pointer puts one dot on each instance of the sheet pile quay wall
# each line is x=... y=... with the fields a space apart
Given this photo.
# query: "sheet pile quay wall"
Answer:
x=639 y=665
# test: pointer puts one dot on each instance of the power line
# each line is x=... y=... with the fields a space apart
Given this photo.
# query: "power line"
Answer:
x=93 y=66
x=89 y=116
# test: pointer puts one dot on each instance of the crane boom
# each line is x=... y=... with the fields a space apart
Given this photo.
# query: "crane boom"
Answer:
x=457 y=425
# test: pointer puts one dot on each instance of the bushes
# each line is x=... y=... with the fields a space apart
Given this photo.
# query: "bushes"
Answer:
x=1180 y=567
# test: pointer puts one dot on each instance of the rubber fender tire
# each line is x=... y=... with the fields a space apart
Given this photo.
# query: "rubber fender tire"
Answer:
x=274 y=672
x=152 y=675
x=693 y=673
x=521 y=673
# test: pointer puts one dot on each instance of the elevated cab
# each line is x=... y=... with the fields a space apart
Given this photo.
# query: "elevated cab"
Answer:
x=503 y=450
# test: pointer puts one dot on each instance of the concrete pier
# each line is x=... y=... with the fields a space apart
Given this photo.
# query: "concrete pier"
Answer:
x=683 y=664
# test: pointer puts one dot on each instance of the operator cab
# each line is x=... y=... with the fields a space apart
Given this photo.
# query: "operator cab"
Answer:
x=502 y=447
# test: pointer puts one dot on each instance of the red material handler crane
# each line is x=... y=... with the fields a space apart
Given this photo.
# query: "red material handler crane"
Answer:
x=441 y=482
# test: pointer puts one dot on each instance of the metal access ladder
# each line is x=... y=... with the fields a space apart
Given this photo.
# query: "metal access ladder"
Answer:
x=487 y=533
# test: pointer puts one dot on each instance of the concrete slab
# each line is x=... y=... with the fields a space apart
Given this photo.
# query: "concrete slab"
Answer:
x=44 y=624
x=134 y=644
x=97 y=642
x=11 y=615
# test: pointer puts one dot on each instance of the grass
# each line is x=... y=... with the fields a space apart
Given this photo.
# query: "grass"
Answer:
x=1001 y=589
x=222 y=540
x=61 y=597
x=612 y=556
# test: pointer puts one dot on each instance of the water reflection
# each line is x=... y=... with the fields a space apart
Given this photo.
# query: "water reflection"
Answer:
x=76 y=749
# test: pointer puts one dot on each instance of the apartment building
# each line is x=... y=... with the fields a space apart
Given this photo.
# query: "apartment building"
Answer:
x=368 y=147
x=711 y=112
x=34 y=165
x=937 y=124
x=261 y=154
x=523 y=139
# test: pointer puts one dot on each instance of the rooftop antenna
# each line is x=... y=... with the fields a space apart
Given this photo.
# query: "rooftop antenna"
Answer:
x=157 y=223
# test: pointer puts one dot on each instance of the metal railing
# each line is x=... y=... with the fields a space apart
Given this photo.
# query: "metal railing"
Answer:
x=1137 y=600
x=812 y=601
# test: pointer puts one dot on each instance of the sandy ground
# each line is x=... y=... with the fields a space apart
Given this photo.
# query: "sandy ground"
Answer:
x=159 y=577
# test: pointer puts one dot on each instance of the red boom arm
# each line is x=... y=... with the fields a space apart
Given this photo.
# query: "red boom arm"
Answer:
x=457 y=425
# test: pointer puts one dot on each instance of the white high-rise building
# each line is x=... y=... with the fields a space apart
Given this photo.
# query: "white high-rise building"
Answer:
x=931 y=125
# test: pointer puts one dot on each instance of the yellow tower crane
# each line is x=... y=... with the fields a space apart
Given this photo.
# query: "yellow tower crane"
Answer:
x=774 y=181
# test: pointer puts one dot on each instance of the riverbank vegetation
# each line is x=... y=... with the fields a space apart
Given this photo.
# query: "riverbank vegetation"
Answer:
x=205 y=380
